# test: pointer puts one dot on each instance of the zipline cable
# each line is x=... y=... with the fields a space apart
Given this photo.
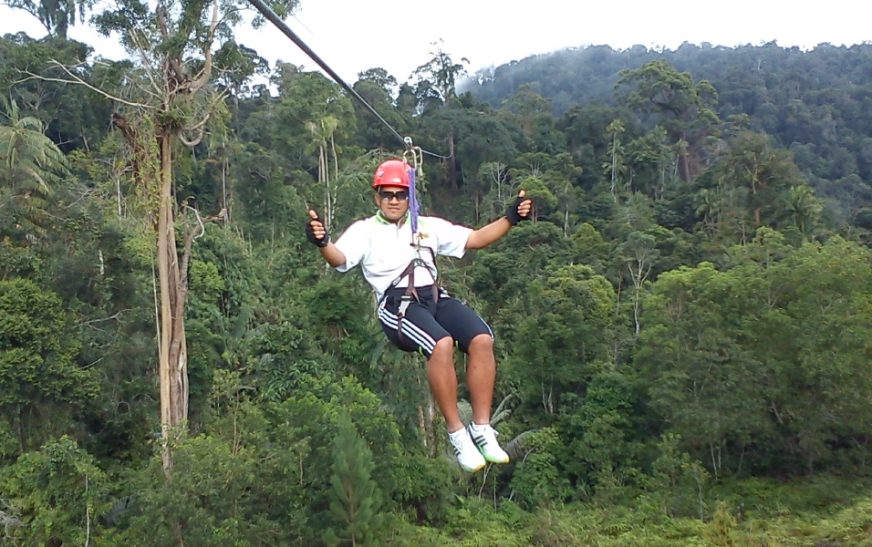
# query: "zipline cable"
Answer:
x=275 y=20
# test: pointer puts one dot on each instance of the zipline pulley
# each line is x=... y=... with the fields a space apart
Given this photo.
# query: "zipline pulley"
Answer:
x=414 y=156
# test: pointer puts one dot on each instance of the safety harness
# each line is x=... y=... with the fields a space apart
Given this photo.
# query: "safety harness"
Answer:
x=411 y=293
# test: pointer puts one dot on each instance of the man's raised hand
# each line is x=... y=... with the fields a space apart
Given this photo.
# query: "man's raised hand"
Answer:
x=315 y=231
x=520 y=209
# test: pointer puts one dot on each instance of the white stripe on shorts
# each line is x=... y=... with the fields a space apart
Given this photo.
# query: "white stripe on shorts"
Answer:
x=407 y=328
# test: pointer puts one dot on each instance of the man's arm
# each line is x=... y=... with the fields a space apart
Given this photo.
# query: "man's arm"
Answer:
x=332 y=255
x=490 y=233
x=318 y=236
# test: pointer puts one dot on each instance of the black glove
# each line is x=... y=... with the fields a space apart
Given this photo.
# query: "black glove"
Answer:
x=310 y=234
x=512 y=213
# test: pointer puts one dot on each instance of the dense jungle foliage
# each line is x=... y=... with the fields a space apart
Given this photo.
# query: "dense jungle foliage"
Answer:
x=684 y=331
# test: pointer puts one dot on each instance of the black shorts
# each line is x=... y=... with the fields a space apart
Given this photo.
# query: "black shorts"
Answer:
x=425 y=322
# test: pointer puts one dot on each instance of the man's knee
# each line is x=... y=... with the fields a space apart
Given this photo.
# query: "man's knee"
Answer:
x=444 y=346
x=482 y=343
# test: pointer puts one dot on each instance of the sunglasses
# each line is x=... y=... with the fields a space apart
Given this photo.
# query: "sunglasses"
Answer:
x=399 y=195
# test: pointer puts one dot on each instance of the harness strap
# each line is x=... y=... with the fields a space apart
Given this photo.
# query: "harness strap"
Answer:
x=411 y=293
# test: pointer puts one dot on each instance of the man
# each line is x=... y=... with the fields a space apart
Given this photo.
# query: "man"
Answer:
x=416 y=313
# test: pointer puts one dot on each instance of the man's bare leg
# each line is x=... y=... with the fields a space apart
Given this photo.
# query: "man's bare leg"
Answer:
x=443 y=382
x=481 y=376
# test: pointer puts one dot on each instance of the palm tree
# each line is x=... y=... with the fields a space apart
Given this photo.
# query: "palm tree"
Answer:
x=803 y=208
x=29 y=163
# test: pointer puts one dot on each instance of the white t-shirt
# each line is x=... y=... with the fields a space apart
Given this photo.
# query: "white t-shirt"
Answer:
x=384 y=249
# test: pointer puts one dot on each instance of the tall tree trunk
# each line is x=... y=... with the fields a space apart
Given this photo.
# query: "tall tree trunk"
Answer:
x=452 y=162
x=173 y=359
x=614 y=180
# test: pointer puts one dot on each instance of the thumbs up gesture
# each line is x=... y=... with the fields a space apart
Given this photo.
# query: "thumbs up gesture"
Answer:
x=520 y=209
x=315 y=231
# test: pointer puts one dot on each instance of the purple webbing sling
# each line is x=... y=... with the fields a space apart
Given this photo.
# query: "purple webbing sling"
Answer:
x=413 y=202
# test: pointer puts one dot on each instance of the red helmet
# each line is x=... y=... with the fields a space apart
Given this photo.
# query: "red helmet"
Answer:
x=391 y=173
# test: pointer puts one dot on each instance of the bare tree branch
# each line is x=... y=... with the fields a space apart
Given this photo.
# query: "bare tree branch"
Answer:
x=515 y=448
x=138 y=41
x=199 y=127
x=190 y=143
x=77 y=80
x=174 y=73
x=218 y=98
x=117 y=316
x=190 y=237
x=9 y=521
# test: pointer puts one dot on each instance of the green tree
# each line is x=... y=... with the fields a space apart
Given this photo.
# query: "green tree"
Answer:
x=474 y=137
x=599 y=446
x=31 y=164
x=533 y=113
x=169 y=102
x=218 y=494
x=538 y=479
x=697 y=358
x=438 y=77
x=354 y=496
x=816 y=345
x=639 y=253
x=803 y=209
x=750 y=185
x=436 y=95
x=378 y=88
x=493 y=181
x=684 y=108
x=566 y=330
x=678 y=482
x=58 y=493
x=650 y=163
x=72 y=116
x=310 y=157
x=558 y=175
x=40 y=379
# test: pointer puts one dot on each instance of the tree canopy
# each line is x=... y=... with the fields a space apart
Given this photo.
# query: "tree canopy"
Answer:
x=683 y=331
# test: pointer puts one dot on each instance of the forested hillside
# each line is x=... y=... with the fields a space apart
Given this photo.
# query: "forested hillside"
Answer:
x=813 y=103
x=683 y=332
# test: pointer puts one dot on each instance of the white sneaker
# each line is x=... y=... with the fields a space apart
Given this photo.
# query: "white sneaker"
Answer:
x=468 y=456
x=485 y=439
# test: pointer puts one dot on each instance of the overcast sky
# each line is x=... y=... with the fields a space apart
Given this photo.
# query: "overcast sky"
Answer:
x=398 y=35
